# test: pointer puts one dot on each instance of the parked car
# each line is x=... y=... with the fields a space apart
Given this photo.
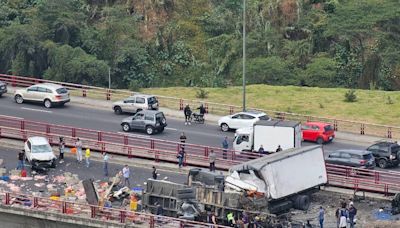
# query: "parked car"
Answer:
x=150 y=121
x=3 y=88
x=241 y=120
x=135 y=104
x=353 y=158
x=39 y=153
x=47 y=93
x=317 y=132
x=386 y=153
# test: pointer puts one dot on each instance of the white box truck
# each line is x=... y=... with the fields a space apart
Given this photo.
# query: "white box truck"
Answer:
x=286 y=178
x=269 y=134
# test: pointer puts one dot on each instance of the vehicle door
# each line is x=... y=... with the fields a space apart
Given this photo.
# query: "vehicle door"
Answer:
x=129 y=105
x=30 y=93
x=28 y=148
x=306 y=130
x=315 y=132
x=140 y=103
x=138 y=121
x=234 y=121
x=42 y=93
x=246 y=121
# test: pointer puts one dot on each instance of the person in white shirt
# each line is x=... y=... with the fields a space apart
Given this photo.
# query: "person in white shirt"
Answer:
x=125 y=173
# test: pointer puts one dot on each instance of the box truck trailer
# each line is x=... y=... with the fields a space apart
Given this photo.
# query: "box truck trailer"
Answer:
x=269 y=134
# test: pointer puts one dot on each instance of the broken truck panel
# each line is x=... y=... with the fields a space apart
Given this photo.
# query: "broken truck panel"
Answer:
x=285 y=173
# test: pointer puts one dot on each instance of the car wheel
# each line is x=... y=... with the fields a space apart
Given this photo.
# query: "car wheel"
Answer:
x=19 y=99
x=320 y=140
x=117 y=110
x=224 y=127
x=382 y=163
x=149 y=130
x=47 y=103
x=126 y=127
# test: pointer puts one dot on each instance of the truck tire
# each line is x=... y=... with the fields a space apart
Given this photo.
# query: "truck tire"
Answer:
x=301 y=202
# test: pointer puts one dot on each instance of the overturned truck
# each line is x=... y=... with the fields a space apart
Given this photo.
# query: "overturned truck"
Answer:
x=269 y=185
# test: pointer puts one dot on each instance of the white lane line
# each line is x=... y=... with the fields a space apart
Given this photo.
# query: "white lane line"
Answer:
x=133 y=134
x=172 y=129
x=36 y=110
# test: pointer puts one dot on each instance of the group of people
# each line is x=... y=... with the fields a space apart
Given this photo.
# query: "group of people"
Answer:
x=344 y=215
x=188 y=113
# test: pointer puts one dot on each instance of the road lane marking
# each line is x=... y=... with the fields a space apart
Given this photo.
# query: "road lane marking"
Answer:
x=36 y=110
x=172 y=129
x=133 y=134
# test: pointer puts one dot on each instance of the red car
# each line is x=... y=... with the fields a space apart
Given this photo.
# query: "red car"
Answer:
x=317 y=132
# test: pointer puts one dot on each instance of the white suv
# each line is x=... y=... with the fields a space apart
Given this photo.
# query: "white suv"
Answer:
x=135 y=104
x=47 y=93
x=39 y=152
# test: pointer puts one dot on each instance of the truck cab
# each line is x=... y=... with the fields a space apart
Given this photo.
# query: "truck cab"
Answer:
x=243 y=140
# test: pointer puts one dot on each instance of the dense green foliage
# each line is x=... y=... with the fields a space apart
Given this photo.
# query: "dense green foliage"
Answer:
x=156 y=43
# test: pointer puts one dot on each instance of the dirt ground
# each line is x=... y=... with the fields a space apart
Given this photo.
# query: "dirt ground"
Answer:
x=367 y=211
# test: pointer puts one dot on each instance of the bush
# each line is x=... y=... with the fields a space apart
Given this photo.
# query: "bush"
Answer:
x=389 y=100
x=350 y=96
x=202 y=93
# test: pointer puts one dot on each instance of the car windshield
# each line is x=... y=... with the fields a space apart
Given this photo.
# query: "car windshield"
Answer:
x=328 y=128
x=41 y=148
x=152 y=100
x=367 y=156
x=62 y=90
x=264 y=117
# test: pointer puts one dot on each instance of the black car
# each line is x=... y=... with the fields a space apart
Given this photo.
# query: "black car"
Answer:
x=354 y=158
x=3 y=88
x=386 y=153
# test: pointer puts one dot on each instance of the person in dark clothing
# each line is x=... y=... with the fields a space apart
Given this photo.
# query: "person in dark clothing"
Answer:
x=188 y=113
x=61 y=147
x=159 y=209
x=154 y=173
x=225 y=146
x=21 y=157
x=279 y=148
x=202 y=110
x=182 y=139
x=181 y=157
x=352 y=214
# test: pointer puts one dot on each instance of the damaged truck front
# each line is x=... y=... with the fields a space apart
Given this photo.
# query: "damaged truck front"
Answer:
x=286 y=179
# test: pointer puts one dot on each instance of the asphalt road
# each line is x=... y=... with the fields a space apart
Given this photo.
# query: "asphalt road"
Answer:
x=95 y=171
x=104 y=120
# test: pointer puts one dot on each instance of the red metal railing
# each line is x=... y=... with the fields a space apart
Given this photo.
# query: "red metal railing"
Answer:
x=386 y=182
x=73 y=209
x=379 y=130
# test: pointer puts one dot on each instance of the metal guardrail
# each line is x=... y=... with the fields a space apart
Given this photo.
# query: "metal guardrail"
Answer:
x=385 y=182
x=357 y=127
x=74 y=209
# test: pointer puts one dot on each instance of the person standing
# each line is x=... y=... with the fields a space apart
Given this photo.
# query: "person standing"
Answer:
x=211 y=158
x=105 y=164
x=154 y=173
x=21 y=157
x=188 y=113
x=225 y=146
x=343 y=215
x=87 y=157
x=352 y=214
x=181 y=156
x=61 y=147
x=78 y=145
x=126 y=174
x=182 y=139
x=321 y=217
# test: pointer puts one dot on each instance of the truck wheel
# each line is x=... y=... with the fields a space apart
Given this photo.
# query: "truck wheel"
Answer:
x=320 y=140
x=149 y=130
x=301 y=202
x=18 y=98
x=382 y=163
x=224 y=127
x=117 y=110
x=126 y=127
